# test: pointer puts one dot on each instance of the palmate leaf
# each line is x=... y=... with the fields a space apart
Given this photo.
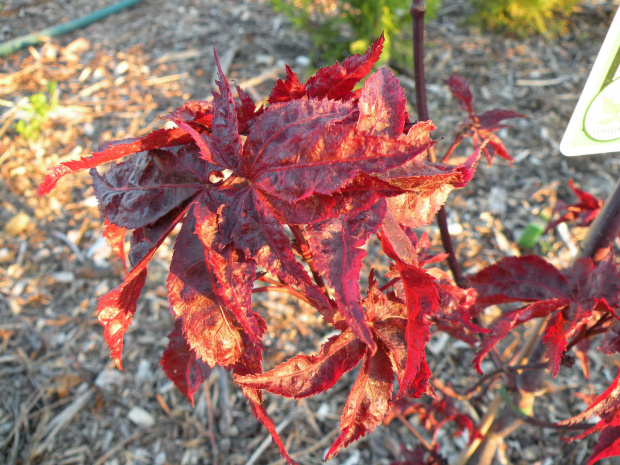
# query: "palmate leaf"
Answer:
x=158 y=139
x=480 y=127
x=571 y=297
x=583 y=212
x=307 y=375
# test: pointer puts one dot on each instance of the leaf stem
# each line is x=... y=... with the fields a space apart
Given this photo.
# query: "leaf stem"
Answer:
x=283 y=289
x=306 y=255
x=415 y=432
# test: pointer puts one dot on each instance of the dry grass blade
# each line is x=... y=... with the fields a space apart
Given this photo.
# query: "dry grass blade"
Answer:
x=59 y=422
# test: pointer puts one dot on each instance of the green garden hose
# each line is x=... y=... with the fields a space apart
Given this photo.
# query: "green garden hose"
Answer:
x=13 y=45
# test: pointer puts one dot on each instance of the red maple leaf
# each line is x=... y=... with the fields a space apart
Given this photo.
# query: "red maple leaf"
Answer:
x=571 y=298
x=480 y=127
x=583 y=212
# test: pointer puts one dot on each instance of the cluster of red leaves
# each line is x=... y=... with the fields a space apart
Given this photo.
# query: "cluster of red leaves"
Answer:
x=480 y=127
x=573 y=300
x=322 y=159
x=333 y=166
x=582 y=212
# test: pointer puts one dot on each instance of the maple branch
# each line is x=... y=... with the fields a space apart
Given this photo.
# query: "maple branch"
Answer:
x=306 y=255
x=591 y=331
x=605 y=228
x=417 y=12
x=423 y=441
x=283 y=289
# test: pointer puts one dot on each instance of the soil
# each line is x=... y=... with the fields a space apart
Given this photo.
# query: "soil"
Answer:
x=61 y=399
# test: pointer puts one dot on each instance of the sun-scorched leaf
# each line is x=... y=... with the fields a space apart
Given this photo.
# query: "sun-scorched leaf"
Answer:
x=306 y=375
x=335 y=245
x=382 y=105
x=323 y=163
x=367 y=403
x=115 y=237
x=427 y=185
x=422 y=302
x=233 y=274
x=210 y=327
x=181 y=365
x=116 y=308
x=337 y=81
x=109 y=152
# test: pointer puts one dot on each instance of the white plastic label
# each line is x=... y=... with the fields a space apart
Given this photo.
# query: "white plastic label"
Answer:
x=595 y=124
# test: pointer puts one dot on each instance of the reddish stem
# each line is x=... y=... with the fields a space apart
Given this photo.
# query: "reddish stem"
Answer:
x=283 y=289
x=457 y=140
x=417 y=11
x=306 y=255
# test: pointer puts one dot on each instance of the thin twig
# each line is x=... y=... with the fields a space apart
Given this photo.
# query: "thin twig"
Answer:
x=423 y=441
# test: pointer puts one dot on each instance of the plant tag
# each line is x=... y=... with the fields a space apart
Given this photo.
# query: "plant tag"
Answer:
x=595 y=124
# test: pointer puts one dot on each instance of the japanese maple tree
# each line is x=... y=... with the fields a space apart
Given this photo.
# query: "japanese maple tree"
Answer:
x=288 y=193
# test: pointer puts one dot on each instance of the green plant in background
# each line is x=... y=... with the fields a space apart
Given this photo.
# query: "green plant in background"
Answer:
x=525 y=17
x=34 y=113
x=338 y=28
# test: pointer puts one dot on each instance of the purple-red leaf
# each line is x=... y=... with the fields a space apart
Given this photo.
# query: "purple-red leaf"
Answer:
x=460 y=89
x=211 y=328
x=225 y=141
x=116 y=308
x=583 y=212
x=306 y=375
x=141 y=190
x=261 y=415
x=180 y=364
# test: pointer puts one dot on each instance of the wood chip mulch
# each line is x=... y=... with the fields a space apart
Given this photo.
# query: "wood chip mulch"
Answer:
x=61 y=399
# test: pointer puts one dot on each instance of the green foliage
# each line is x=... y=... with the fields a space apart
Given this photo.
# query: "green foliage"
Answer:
x=338 y=28
x=39 y=106
x=525 y=17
